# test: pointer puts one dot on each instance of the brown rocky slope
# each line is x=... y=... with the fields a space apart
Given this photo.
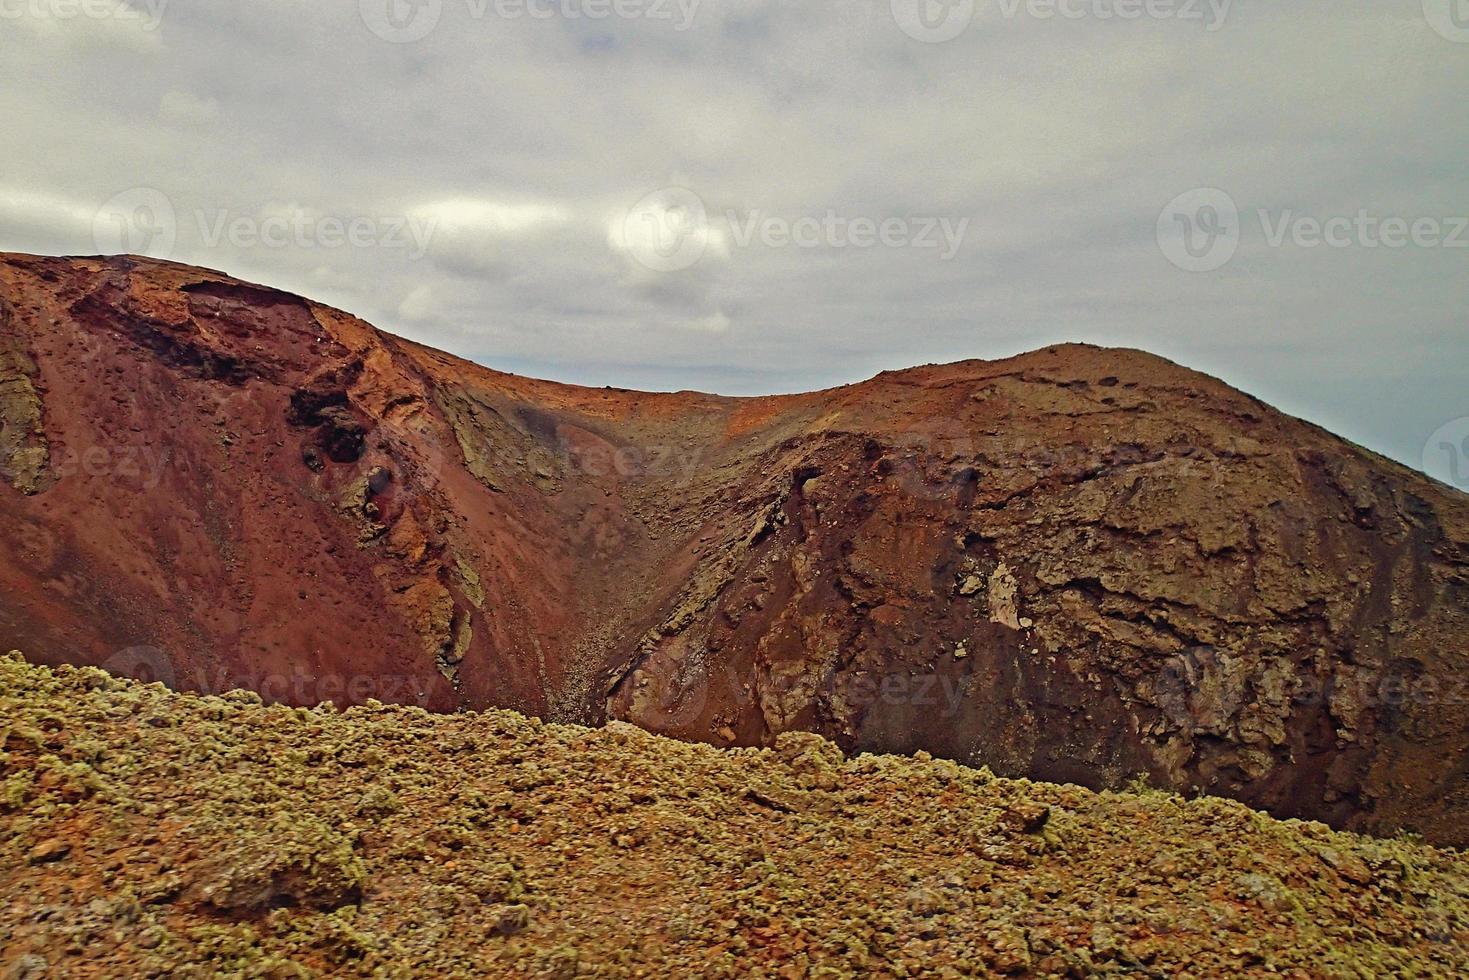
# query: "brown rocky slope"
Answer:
x=151 y=834
x=1078 y=564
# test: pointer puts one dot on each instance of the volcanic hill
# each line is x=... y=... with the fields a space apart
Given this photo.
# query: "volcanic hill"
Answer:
x=1077 y=565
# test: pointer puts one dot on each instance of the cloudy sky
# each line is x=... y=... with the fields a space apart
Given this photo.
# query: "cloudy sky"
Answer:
x=753 y=197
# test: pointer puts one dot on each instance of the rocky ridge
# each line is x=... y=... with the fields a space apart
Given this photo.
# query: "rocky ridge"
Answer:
x=1077 y=564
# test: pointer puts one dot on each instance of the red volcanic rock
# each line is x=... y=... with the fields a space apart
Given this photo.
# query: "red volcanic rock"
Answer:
x=1078 y=564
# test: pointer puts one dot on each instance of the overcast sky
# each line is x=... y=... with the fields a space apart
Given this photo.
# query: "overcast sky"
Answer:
x=754 y=197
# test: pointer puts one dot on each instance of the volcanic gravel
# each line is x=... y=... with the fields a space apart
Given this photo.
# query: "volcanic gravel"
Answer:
x=149 y=833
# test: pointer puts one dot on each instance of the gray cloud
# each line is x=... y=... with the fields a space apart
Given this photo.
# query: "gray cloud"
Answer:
x=516 y=145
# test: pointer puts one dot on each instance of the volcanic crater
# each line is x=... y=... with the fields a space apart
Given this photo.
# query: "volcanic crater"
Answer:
x=1078 y=564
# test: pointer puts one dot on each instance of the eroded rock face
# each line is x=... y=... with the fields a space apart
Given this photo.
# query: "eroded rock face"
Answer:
x=1078 y=564
x=24 y=455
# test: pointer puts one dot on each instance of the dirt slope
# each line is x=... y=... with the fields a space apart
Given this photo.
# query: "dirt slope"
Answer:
x=146 y=833
x=1077 y=564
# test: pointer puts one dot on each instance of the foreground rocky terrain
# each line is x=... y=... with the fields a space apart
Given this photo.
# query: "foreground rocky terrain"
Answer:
x=1077 y=564
x=147 y=833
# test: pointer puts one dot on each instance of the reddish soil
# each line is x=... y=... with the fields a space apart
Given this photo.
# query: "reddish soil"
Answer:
x=1078 y=564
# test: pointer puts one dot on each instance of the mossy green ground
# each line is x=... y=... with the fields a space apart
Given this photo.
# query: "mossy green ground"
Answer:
x=146 y=833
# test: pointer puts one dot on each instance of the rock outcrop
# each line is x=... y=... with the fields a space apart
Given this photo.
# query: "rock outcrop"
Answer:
x=1078 y=564
x=23 y=450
